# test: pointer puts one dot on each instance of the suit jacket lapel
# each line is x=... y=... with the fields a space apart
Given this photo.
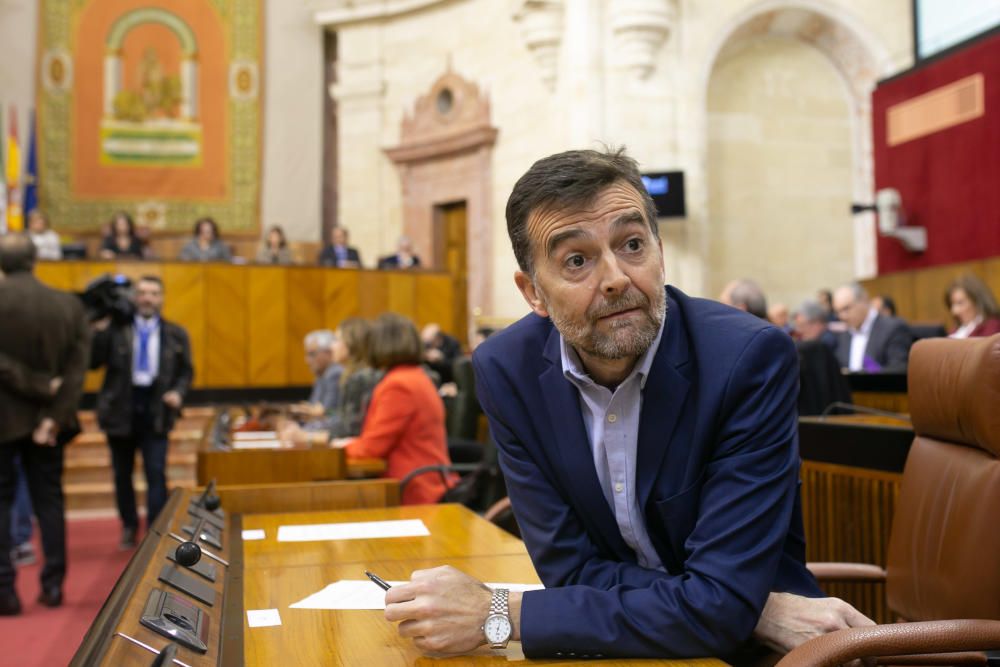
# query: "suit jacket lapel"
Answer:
x=574 y=458
x=664 y=395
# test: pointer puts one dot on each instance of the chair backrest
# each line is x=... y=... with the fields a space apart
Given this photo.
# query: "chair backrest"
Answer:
x=944 y=550
x=464 y=410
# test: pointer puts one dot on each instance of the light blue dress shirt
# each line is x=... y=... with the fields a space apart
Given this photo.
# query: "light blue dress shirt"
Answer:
x=612 y=423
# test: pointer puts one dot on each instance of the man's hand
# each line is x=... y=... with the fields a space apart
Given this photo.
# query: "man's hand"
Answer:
x=101 y=324
x=442 y=609
x=44 y=434
x=173 y=399
x=789 y=620
x=54 y=385
x=308 y=410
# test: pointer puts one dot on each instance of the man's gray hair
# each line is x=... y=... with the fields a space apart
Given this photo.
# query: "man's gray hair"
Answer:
x=17 y=253
x=320 y=338
x=812 y=311
x=748 y=294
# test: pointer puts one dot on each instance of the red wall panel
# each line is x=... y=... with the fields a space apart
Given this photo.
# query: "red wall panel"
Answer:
x=949 y=180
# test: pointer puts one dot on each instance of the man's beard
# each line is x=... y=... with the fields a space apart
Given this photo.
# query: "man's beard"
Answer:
x=626 y=338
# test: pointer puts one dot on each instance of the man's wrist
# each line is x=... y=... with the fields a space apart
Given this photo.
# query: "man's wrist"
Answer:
x=514 y=608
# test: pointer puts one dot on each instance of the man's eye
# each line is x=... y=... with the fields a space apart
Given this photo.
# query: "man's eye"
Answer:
x=633 y=245
x=575 y=261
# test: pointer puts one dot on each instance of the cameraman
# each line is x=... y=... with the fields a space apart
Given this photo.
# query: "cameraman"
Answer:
x=148 y=373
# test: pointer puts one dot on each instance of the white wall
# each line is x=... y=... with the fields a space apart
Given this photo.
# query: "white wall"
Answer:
x=18 y=27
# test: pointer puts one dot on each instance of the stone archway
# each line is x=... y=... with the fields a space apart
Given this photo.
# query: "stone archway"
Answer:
x=858 y=59
x=445 y=156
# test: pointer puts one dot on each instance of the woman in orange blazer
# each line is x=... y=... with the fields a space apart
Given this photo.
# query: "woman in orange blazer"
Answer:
x=405 y=420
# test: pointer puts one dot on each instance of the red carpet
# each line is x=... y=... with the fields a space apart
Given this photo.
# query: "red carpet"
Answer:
x=43 y=637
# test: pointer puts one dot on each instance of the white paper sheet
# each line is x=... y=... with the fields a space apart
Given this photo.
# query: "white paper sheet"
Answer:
x=257 y=444
x=263 y=618
x=361 y=530
x=363 y=594
x=253 y=534
x=255 y=435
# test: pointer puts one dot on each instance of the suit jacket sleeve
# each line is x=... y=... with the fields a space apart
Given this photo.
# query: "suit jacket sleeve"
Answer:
x=24 y=381
x=63 y=407
x=185 y=370
x=598 y=606
x=897 y=347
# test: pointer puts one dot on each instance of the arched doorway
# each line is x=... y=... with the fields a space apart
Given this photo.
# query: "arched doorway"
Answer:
x=788 y=148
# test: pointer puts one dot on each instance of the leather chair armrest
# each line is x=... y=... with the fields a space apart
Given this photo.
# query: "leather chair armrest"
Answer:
x=846 y=572
x=900 y=639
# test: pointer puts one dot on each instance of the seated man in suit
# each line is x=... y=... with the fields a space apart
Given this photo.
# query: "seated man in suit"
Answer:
x=649 y=443
x=338 y=253
x=404 y=258
x=873 y=342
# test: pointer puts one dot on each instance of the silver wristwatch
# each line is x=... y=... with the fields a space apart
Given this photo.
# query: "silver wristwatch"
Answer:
x=497 y=626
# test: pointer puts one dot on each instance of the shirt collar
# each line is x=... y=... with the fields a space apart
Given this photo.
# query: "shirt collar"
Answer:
x=574 y=371
x=866 y=326
x=147 y=322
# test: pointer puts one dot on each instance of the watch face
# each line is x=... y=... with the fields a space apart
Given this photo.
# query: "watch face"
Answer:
x=497 y=628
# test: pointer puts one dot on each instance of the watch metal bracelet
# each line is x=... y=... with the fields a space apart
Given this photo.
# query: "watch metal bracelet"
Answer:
x=498 y=603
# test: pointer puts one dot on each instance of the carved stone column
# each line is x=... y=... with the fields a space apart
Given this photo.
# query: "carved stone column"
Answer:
x=541 y=24
x=640 y=28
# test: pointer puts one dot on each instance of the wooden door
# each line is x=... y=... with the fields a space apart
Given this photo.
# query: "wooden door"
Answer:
x=451 y=223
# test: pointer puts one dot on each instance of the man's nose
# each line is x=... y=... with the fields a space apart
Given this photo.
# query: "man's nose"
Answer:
x=613 y=279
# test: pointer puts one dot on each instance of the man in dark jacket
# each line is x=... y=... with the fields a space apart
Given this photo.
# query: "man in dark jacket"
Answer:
x=148 y=373
x=45 y=337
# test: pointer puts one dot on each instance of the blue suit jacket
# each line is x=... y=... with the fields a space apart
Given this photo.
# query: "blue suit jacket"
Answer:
x=716 y=476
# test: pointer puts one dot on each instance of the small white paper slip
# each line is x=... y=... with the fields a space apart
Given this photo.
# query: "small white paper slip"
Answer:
x=254 y=435
x=257 y=444
x=363 y=594
x=263 y=618
x=360 y=530
x=253 y=534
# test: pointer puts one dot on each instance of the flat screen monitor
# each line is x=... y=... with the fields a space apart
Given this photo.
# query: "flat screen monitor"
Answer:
x=667 y=190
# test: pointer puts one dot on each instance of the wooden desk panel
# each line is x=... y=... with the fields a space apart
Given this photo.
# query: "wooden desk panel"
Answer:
x=269 y=466
x=364 y=637
x=455 y=531
x=247 y=323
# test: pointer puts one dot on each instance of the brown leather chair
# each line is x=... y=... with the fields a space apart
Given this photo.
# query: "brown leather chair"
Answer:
x=943 y=561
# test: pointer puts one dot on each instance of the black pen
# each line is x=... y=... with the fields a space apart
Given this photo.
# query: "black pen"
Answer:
x=379 y=581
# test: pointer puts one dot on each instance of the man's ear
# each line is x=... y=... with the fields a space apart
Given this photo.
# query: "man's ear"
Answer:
x=530 y=294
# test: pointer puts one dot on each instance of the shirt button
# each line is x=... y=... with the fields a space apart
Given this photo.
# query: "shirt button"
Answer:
x=619 y=487
x=612 y=418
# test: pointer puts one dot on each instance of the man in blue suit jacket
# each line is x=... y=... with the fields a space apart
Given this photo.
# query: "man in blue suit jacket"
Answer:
x=649 y=441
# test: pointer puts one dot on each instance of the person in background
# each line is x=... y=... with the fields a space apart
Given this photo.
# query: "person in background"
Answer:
x=46 y=241
x=482 y=333
x=405 y=421
x=885 y=305
x=49 y=340
x=873 y=343
x=317 y=413
x=747 y=296
x=274 y=247
x=352 y=350
x=811 y=324
x=404 y=257
x=206 y=246
x=777 y=314
x=145 y=236
x=973 y=306
x=825 y=299
x=148 y=374
x=121 y=242
x=338 y=253
x=440 y=351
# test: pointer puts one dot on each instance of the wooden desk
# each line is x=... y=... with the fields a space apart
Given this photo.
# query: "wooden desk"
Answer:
x=455 y=531
x=264 y=575
x=299 y=463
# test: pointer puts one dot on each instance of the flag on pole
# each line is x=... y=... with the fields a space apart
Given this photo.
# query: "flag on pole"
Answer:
x=31 y=171
x=3 y=186
x=15 y=216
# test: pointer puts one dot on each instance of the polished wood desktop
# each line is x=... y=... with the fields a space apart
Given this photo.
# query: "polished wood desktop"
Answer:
x=265 y=574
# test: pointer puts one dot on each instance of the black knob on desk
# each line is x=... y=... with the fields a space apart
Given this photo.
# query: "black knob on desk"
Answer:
x=187 y=553
x=212 y=502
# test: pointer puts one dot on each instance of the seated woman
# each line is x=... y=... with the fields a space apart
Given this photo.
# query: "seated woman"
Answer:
x=206 y=246
x=973 y=306
x=405 y=420
x=357 y=382
x=121 y=241
x=47 y=245
x=274 y=248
